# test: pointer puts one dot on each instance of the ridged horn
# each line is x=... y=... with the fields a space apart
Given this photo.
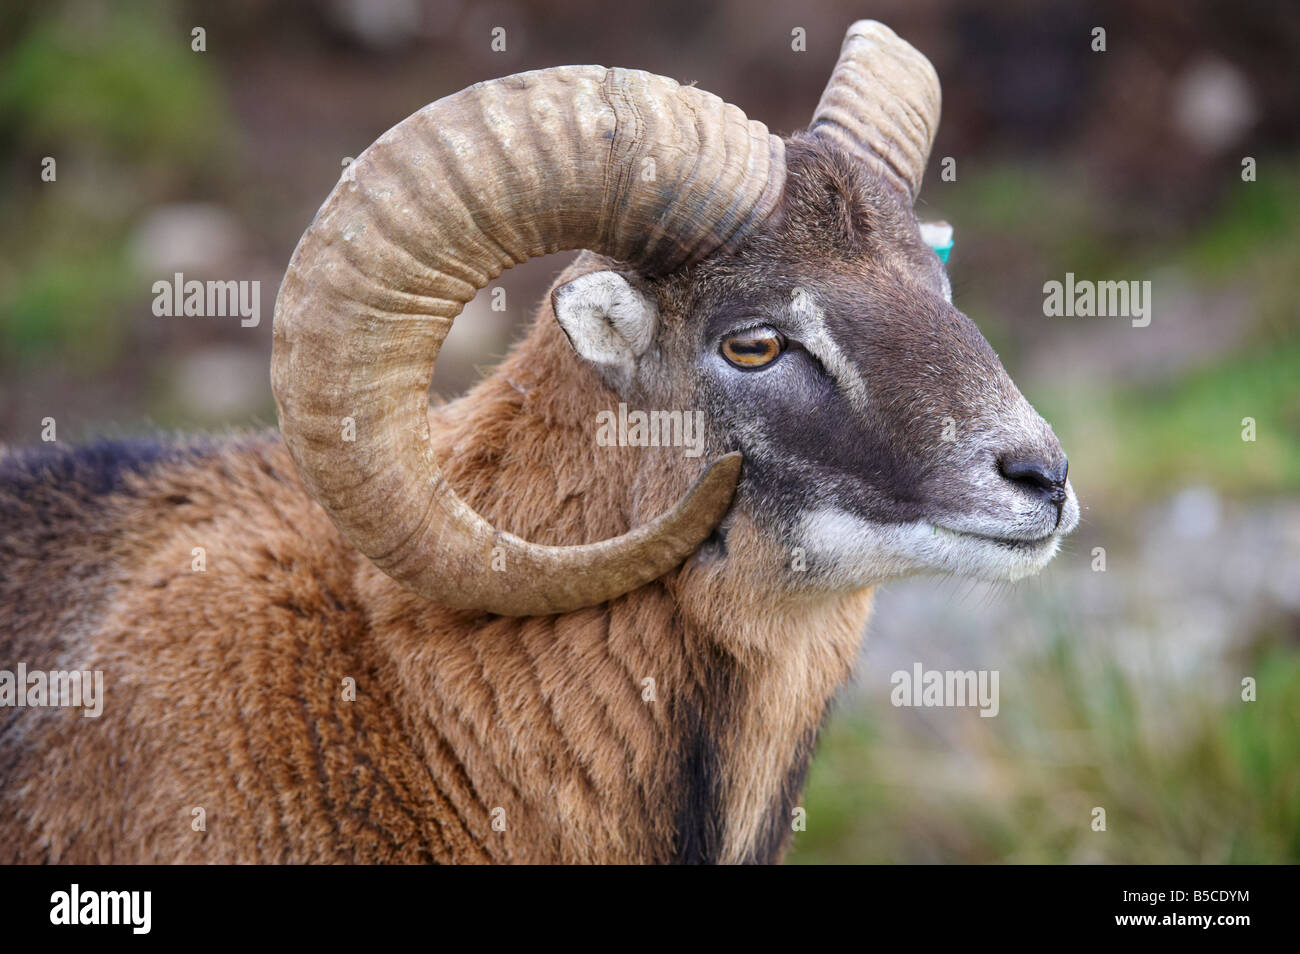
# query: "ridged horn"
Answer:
x=882 y=104
x=621 y=162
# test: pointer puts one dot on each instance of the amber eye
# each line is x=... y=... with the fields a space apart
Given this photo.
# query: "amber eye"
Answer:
x=753 y=348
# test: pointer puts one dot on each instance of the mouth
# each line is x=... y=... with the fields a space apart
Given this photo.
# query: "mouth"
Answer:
x=991 y=556
x=855 y=548
x=1018 y=544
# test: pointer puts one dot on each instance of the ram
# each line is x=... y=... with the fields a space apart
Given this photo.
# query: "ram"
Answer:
x=477 y=633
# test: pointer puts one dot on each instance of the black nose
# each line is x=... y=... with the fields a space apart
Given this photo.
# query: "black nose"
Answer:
x=1035 y=475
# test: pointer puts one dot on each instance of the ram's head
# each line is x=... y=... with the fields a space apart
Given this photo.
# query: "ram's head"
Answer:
x=782 y=287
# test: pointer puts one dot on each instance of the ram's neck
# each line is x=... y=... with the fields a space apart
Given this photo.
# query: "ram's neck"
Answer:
x=644 y=730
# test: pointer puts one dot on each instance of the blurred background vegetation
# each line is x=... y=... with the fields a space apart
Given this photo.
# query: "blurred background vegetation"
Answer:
x=1120 y=688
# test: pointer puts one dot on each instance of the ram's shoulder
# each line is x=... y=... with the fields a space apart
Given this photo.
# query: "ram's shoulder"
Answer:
x=87 y=488
x=61 y=477
x=131 y=508
x=233 y=510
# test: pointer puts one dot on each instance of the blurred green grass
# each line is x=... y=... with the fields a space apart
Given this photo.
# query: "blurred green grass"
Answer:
x=1150 y=436
x=86 y=93
x=1141 y=438
x=1141 y=441
x=1182 y=782
x=76 y=78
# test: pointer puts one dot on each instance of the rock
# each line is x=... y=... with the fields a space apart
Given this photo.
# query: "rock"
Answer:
x=194 y=237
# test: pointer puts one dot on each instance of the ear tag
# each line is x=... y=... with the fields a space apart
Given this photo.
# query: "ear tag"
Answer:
x=938 y=235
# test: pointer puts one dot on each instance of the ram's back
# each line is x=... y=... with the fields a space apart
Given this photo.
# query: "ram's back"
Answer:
x=220 y=605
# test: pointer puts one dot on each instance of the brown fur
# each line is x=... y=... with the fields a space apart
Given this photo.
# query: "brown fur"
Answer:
x=224 y=688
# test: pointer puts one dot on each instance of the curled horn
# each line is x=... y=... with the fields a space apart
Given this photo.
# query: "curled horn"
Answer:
x=435 y=209
x=882 y=104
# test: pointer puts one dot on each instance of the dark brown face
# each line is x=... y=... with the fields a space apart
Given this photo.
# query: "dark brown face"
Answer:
x=880 y=433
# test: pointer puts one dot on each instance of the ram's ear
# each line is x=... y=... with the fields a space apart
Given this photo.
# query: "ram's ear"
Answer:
x=608 y=322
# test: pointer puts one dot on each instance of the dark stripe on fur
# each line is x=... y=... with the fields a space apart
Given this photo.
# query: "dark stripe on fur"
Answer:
x=92 y=469
x=701 y=824
x=777 y=830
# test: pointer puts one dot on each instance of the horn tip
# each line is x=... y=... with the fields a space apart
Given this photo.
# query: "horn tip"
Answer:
x=723 y=473
x=864 y=26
